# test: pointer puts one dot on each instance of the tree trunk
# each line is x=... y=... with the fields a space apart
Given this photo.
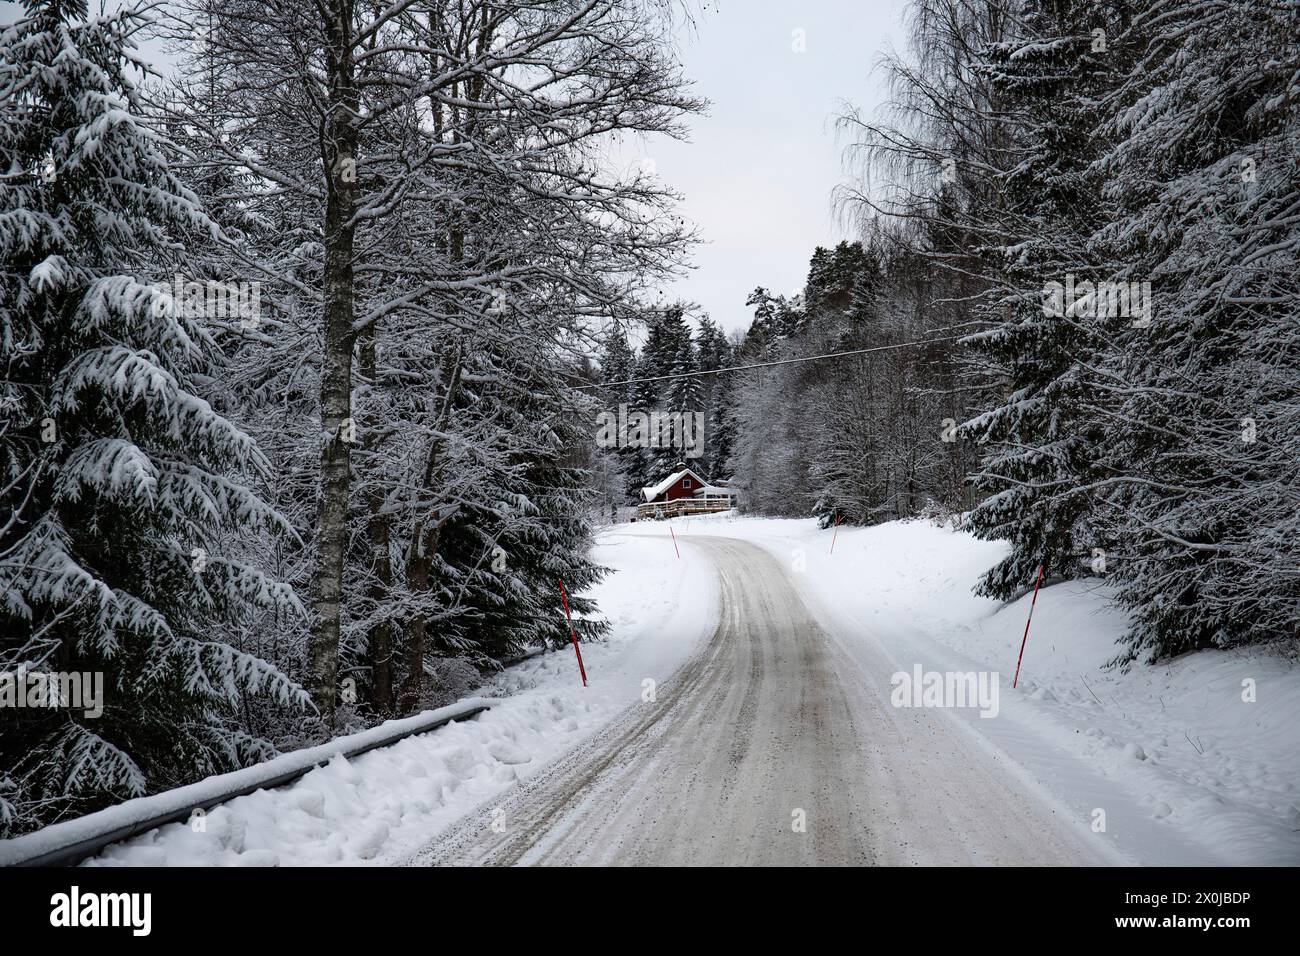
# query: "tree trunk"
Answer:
x=339 y=152
x=380 y=638
x=423 y=546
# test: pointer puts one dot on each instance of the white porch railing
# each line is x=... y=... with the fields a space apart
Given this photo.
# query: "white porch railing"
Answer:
x=707 y=504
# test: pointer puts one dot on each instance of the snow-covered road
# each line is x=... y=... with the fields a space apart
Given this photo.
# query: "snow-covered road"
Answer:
x=771 y=745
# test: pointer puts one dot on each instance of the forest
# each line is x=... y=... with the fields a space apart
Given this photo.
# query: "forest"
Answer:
x=1074 y=303
x=290 y=442
x=303 y=342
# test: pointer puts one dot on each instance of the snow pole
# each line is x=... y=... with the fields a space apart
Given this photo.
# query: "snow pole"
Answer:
x=674 y=534
x=1016 y=679
x=573 y=632
x=836 y=534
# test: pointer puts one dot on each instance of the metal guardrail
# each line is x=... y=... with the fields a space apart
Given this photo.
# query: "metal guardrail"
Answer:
x=74 y=853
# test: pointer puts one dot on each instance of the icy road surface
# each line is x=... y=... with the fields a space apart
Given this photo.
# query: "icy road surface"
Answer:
x=771 y=746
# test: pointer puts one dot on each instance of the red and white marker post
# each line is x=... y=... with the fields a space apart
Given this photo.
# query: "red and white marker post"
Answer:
x=573 y=632
x=674 y=534
x=1016 y=679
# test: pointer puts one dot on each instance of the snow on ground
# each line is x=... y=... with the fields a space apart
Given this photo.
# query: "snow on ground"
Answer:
x=381 y=806
x=1186 y=771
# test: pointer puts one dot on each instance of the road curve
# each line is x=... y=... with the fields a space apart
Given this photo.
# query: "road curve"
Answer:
x=769 y=725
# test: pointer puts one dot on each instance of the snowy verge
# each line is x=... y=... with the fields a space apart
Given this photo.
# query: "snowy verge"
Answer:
x=383 y=806
x=1186 y=769
x=191 y=800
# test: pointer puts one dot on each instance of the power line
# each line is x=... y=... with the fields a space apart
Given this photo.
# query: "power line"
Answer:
x=789 y=361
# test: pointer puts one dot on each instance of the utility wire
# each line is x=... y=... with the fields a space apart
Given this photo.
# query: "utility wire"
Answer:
x=789 y=361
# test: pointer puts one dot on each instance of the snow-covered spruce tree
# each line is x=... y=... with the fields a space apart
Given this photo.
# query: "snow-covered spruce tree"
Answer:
x=617 y=364
x=1200 y=492
x=1137 y=143
x=639 y=462
x=990 y=158
x=267 y=383
x=714 y=354
x=666 y=330
x=121 y=485
x=722 y=431
x=1041 y=439
x=505 y=558
x=686 y=395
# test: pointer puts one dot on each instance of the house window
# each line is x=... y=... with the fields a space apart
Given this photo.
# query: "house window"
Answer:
x=686 y=482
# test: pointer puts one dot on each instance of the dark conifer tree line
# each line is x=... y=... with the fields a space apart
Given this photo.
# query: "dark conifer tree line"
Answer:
x=1084 y=213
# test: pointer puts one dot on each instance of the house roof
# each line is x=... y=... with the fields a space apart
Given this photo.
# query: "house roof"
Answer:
x=714 y=490
x=653 y=492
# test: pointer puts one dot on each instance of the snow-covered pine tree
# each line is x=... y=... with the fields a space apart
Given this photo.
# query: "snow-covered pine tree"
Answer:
x=617 y=364
x=863 y=441
x=121 y=485
x=768 y=461
x=762 y=329
x=1041 y=439
x=844 y=437
x=686 y=394
x=1201 y=493
x=832 y=275
x=714 y=353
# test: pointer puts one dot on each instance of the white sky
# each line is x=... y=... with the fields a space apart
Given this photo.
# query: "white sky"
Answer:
x=759 y=169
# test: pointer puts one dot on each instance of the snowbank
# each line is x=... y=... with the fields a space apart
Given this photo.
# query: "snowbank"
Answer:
x=384 y=805
x=186 y=800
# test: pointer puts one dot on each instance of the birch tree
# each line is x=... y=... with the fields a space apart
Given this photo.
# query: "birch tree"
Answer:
x=445 y=165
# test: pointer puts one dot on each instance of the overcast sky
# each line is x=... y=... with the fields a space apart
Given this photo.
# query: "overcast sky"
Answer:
x=759 y=169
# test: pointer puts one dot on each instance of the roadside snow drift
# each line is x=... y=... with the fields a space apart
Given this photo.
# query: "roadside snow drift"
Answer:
x=384 y=804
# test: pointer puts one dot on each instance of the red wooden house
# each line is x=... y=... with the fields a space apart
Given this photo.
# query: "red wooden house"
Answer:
x=684 y=492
